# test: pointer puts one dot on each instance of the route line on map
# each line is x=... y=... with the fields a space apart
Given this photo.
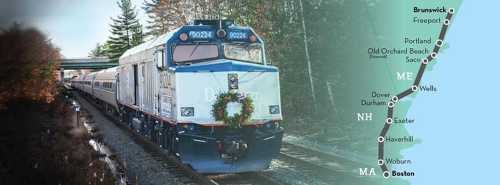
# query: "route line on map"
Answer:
x=392 y=103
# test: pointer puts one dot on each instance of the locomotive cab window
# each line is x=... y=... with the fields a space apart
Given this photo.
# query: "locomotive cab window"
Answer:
x=192 y=53
x=244 y=52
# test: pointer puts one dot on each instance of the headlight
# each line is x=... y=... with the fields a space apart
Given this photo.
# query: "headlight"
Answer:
x=274 y=109
x=183 y=37
x=187 y=111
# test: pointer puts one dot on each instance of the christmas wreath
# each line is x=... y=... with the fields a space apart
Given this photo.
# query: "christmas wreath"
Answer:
x=219 y=111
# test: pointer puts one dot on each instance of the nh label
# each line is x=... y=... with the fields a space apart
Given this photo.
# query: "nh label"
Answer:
x=364 y=116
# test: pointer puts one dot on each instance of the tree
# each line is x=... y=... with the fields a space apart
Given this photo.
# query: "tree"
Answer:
x=157 y=19
x=126 y=31
x=138 y=36
x=29 y=66
x=98 y=51
x=165 y=15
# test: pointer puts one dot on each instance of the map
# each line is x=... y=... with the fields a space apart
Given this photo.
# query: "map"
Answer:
x=430 y=75
x=457 y=126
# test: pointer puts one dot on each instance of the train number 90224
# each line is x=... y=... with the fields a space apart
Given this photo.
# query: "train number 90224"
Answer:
x=201 y=34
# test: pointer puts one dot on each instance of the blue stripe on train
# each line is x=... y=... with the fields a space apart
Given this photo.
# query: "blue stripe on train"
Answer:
x=226 y=65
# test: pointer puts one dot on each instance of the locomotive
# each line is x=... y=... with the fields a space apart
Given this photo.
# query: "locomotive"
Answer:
x=165 y=90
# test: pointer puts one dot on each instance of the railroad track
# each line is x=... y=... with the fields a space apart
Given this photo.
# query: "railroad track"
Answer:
x=295 y=165
x=182 y=172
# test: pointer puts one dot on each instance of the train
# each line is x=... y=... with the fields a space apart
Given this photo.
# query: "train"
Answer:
x=203 y=92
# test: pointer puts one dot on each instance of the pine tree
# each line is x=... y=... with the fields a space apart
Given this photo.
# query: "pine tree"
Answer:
x=126 y=31
x=138 y=36
x=98 y=51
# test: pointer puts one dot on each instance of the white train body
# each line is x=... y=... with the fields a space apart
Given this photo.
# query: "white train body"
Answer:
x=87 y=85
x=104 y=86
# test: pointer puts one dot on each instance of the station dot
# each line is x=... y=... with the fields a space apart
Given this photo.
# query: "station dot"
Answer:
x=380 y=139
x=390 y=104
x=414 y=88
x=446 y=22
x=395 y=99
x=439 y=42
x=386 y=174
x=425 y=61
x=451 y=10
x=380 y=162
x=389 y=120
x=433 y=54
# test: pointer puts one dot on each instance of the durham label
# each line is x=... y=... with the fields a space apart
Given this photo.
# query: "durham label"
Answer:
x=376 y=99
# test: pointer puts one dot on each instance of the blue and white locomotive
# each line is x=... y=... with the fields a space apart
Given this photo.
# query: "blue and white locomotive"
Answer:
x=165 y=89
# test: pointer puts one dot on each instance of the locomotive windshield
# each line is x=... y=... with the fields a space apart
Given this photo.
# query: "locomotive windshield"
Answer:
x=190 y=53
x=244 y=52
x=201 y=52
